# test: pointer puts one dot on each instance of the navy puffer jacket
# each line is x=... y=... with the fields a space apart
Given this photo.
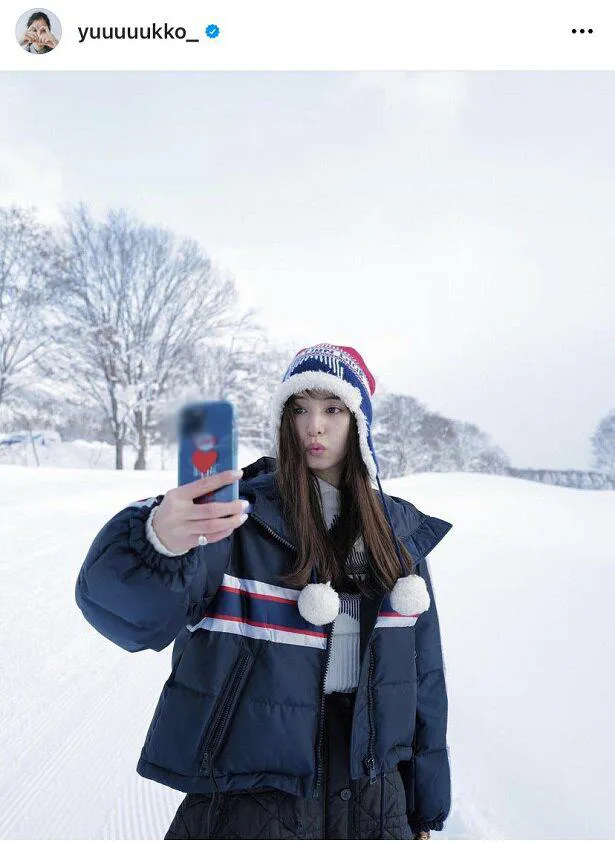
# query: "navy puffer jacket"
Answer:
x=244 y=702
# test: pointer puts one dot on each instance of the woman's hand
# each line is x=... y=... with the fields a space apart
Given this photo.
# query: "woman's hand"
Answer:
x=48 y=38
x=178 y=521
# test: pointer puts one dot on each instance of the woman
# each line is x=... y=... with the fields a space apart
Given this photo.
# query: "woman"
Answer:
x=38 y=37
x=307 y=695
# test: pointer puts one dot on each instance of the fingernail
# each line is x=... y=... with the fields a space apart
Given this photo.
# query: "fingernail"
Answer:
x=238 y=472
x=245 y=505
x=244 y=518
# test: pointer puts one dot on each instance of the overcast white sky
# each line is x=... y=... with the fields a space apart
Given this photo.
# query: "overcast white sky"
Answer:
x=457 y=228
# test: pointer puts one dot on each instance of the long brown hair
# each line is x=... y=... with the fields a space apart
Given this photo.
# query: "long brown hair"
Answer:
x=360 y=512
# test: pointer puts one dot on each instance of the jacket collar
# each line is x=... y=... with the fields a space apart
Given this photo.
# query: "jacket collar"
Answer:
x=409 y=523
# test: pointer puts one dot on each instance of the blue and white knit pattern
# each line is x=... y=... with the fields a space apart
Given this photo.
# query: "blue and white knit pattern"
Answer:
x=331 y=358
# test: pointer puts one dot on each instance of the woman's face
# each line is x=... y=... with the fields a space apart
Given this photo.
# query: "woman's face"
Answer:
x=38 y=30
x=324 y=422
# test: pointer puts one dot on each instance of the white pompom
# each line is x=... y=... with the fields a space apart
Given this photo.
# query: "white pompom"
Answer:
x=319 y=603
x=410 y=595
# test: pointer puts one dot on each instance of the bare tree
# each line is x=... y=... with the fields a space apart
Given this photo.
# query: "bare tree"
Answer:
x=243 y=368
x=603 y=445
x=254 y=402
x=475 y=452
x=135 y=306
x=397 y=432
x=26 y=254
x=440 y=443
x=223 y=370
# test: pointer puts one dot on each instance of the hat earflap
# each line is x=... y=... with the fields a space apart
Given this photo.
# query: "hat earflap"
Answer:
x=410 y=596
x=319 y=603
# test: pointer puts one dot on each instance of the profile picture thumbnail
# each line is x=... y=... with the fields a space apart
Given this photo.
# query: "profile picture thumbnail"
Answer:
x=38 y=31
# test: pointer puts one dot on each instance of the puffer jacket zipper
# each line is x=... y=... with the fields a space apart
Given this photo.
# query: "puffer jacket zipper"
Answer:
x=323 y=768
x=370 y=763
x=272 y=532
x=220 y=720
x=321 y=719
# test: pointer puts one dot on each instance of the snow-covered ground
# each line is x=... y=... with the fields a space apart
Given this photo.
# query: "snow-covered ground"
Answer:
x=524 y=584
x=45 y=448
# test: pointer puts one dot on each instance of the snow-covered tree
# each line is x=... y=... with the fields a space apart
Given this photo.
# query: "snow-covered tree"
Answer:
x=408 y=440
x=603 y=445
x=397 y=435
x=134 y=306
x=243 y=368
x=440 y=442
x=254 y=398
x=475 y=451
x=26 y=255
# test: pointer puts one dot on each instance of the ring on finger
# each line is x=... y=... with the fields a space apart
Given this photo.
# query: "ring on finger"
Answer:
x=203 y=540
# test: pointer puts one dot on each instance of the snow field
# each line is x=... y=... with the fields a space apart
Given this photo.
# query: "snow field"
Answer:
x=523 y=582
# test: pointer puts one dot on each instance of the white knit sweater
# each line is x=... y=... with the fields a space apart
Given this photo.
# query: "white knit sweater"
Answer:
x=343 y=669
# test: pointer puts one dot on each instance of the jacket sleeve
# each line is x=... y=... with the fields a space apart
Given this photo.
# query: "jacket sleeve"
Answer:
x=427 y=774
x=135 y=596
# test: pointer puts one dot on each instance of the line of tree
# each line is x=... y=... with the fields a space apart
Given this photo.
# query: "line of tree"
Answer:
x=108 y=326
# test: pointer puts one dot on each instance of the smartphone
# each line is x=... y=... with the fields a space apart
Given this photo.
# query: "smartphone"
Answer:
x=207 y=441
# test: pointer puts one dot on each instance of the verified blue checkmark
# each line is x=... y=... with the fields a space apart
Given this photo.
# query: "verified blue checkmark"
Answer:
x=212 y=31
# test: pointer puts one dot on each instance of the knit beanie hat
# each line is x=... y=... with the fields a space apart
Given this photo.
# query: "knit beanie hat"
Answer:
x=342 y=370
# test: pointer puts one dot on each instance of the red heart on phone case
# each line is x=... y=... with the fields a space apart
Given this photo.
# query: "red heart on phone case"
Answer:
x=203 y=460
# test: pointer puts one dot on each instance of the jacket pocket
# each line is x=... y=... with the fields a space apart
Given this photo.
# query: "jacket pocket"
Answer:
x=222 y=713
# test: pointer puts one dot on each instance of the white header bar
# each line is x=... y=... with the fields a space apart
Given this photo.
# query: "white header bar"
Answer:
x=317 y=35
